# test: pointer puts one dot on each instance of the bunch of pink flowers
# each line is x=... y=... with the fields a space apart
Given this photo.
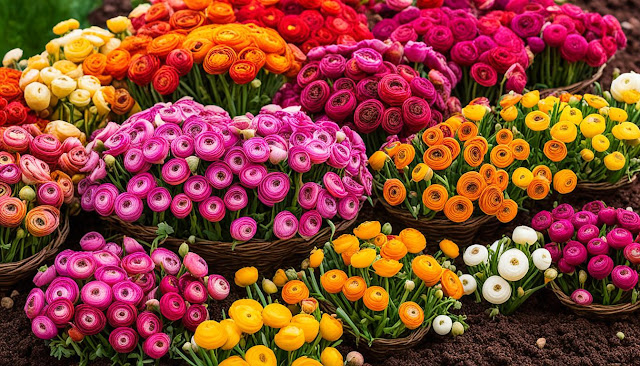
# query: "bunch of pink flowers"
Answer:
x=117 y=298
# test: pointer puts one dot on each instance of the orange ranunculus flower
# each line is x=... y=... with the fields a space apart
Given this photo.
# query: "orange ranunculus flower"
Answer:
x=294 y=291
x=405 y=156
x=555 y=150
x=161 y=46
x=363 y=258
x=136 y=44
x=42 y=220
x=333 y=280
x=449 y=248
x=331 y=7
x=253 y=54
x=509 y=100
x=502 y=179
x=565 y=181
x=316 y=258
x=367 y=230
x=538 y=188
x=473 y=155
x=453 y=145
x=393 y=249
x=432 y=136
x=354 y=288
x=346 y=256
x=542 y=171
x=470 y=185
x=94 y=64
x=411 y=314
x=458 y=208
x=277 y=64
x=480 y=141
x=117 y=63
x=467 y=131
x=414 y=240
x=392 y=148
x=380 y=240
x=65 y=183
x=345 y=242
x=520 y=149
x=236 y=36
x=12 y=211
x=158 y=11
x=435 y=197
x=198 y=47
x=243 y=71
x=376 y=298
x=501 y=156
x=427 y=269
x=219 y=59
x=187 y=19
x=387 y=267
x=488 y=172
x=394 y=192
x=197 y=4
x=451 y=285
x=438 y=157
x=270 y=41
x=122 y=102
x=219 y=12
x=504 y=136
x=508 y=211
x=491 y=199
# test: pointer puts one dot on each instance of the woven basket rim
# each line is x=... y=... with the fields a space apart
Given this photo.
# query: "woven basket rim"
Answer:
x=471 y=222
x=594 y=309
x=605 y=186
x=575 y=87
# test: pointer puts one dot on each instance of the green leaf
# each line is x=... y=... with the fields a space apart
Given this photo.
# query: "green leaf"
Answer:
x=164 y=229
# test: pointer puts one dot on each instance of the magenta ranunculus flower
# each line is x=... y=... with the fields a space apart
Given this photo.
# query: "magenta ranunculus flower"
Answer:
x=89 y=320
x=484 y=74
x=574 y=253
x=243 y=229
x=156 y=345
x=619 y=238
x=310 y=223
x=561 y=231
x=197 y=188
x=555 y=251
x=597 y=246
x=600 y=266
x=632 y=253
x=628 y=220
x=542 y=221
x=123 y=340
x=563 y=211
x=587 y=232
x=121 y=314
x=96 y=293
x=218 y=287
x=582 y=297
x=624 y=277
x=565 y=267
x=574 y=48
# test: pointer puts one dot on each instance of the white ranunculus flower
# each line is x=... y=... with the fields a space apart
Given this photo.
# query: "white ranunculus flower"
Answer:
x=12 y=56
x=541 y=258
x=37 y=96
x=62 y=86
x=48 y=74
x=80 y=98
x=469 y=284
x=496 y=290
x=69 y=37
x=475 y=254
x=625 y=82
x=524 y=235
x=513 y=265
x=496 y=244
x=442 y=324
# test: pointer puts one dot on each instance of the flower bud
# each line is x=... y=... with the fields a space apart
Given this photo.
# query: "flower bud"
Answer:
x=340 y=136
x=439 y=294
x=191 y=239
x=20 y=233
x=409 y=285
x=610 y=287
x=269 y=287
x=582 y=276
x=183 y=250
x=109 y=160
x=386 y=229
x=354 y=358
x=480 y=275
x=550 y=274
x=452 y=268
x=292 y=274
x=446 y=264
x=305 y=264
x=27 y=194
x=308 y=305
x=457 y=305
x=193 y=162
x=186 y=347
x=12 y=56
x=256 y=83
x=520 y=291
x=194 y=345
x=494 y=312
x=620 y=335
x=604 y=111
x=248 y=133
x=457 y=329
x=153 y=305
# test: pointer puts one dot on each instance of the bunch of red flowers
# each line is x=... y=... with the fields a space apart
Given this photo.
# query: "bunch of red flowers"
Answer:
x=13 y=109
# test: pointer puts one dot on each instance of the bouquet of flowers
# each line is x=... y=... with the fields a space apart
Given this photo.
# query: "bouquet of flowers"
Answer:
x=13 y=108
x=355 y=86
x=261 y=330
x=382 y=285
x=275 y=175
x=595 y=250
x=508 y=271
x=72 y=80
x=106 y=302
x=237 y=66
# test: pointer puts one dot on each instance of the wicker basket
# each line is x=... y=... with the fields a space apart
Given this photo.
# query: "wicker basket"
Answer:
x=595 y=310
x=575 y=88
x=382 y=346
x=14 y=272
x=598 y=189
x=440 y=228
x=226 y=259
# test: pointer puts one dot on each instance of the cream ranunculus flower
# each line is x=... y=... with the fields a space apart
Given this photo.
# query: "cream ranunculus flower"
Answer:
x=513 y=265
x=48 y=74
x=76 y=73
x=118 y=24
x=69 y=37
x=100 y=102
x=37 y=62
x=89 y=83
x=98 y=32
x=95 y=40
x=625 y=82
x=139 y=10
x=12 y=56
x=62 y=86
x=63 y=130
x=80 y=98
x=65 y=66
x=541 y=258
x=28 y=76
x=496 y=290
x=475 y=254
x=469 y=284
x=37 y=96
x=110 y=45
x=442 y=324
x=77 y=50
x=524 y=235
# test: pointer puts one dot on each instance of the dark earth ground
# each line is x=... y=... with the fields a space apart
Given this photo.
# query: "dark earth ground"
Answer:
x=570 y=340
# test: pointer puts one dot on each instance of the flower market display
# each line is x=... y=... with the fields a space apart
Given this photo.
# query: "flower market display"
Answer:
x=508 y=271
x=118 y=302
x=263 y=330
x=383 y=287
x=596 y=251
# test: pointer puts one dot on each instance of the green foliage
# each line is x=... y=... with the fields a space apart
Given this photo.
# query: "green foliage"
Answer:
x=27 y=24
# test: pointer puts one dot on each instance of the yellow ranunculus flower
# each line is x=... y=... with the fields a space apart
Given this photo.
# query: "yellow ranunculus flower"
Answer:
x=65 y=66
x=53 y=48
x=234 y=361
x=631 y=96
x=244 y=302
x=618 y=114
x=305 y=361
x=280 y=278
x=80 y=98
x=586 y=154
x=595 y=101
x=474 y=112
x=522 y=177
x=210 y=335
x=260 y=356
x=97 y=32
x=316 y=258
x=530 y=99
x=110 y=45
x=331 y=357
x=37 y=96
x=61 y=28
x=537 y=121
x=615 y=161
x=387 y=267
x=509 y=114
x=626 y=131
x=546 y=105
x=48 y=74
x=368 y=230
x=73 y=24
x=345 y=242
x=421 y=172
x=413 y=239
x=276 y=315
x=78 y=49
x=377 y=160
x=28 y=76
x=455 y=121
x=600 y=143
x=63 y=130
x=62 y=86
x=89 y=83
x=247 y=319
x=573 y=115
x=233 y=333
x=592 y=125
x=309 y=325
x=118 y=24
x=246 y=276
x=330 y=328
x=564 y=131
x=37 y=62
x=363 y=258
x=290 y=338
